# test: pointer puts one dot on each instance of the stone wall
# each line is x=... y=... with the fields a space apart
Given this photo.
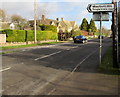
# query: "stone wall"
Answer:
x=24 y=43
x=2 y=38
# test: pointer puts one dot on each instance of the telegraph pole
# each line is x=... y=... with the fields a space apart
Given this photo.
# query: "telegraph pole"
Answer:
x=115 y=36
x=35 y=40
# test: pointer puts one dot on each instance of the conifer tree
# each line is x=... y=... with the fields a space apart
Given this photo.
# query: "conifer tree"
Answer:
x=84 y=25
x=92 y=26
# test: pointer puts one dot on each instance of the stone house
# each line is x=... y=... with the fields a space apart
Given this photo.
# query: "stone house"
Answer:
x=62 y=26
x=7 y=25
x=12 y=26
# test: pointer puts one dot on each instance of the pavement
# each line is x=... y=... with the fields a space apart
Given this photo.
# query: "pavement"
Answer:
x=62 y=69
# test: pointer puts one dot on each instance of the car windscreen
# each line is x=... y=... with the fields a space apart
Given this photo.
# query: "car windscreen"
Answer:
x=80 y=37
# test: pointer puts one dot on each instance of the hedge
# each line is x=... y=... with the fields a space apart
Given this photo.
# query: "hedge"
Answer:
x=28 y=35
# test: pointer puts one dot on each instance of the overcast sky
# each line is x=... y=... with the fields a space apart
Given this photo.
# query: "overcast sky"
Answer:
x=72 y=10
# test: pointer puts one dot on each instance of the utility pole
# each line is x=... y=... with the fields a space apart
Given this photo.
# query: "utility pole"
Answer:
x=35 y=40
x=115 y=36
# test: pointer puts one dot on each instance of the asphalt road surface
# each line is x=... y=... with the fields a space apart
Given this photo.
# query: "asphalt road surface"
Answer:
x=61 y=69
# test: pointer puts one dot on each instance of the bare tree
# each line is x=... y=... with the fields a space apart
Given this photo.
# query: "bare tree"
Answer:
x=2 y=15
x=19 y=21
x=42 y=9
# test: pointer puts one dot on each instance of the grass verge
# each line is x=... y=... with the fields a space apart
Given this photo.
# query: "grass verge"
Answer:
x=28 y=45
x=107 y=64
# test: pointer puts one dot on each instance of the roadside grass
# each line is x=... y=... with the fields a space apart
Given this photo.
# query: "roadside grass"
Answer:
x=29 y=45
x=106 y=65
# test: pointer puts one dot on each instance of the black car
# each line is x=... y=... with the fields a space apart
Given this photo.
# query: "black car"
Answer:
x=80 y=39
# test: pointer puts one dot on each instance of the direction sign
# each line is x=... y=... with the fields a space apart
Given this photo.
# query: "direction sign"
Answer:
x=105 y=16
x=100 y=7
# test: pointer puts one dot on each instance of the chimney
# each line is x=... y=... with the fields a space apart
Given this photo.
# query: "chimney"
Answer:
x=62 y=19
x=43 y=17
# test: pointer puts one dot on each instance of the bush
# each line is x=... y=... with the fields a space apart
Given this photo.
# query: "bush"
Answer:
x=30 y=35
x=14 y=35
x=9 y=35
x=46 y=35
x=22 y=35
x=48 y=28
x=76 y=33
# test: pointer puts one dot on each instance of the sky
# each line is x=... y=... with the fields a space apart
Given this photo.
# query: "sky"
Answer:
x=71 y=10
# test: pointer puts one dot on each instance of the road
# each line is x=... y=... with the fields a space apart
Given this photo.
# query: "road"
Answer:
x=61 y=69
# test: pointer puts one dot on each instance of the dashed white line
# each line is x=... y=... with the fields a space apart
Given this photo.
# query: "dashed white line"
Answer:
x=5 y=69
x=75 y=47
x=47 y=55
x=82 y=61
x=54 y=89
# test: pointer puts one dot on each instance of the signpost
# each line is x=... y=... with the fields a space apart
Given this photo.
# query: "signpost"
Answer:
x=101 y=7
x=105 y=16
x=100 y=13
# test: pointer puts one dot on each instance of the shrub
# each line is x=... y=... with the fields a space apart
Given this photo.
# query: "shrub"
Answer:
x=48 y=28
x=30 y=35
x=76 y=33
x=9 y=35
x=22 y=35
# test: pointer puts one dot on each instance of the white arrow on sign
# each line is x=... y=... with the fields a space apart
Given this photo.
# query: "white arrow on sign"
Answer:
x=100 y=7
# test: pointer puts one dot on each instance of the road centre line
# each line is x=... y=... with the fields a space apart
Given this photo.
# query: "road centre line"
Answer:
x=83 y=61
x=54 y=89
x=47 y=55
x=5 y=69
x=52 y=54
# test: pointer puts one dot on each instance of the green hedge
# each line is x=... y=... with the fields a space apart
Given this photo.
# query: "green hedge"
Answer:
x=48 y=28
x=23 y=35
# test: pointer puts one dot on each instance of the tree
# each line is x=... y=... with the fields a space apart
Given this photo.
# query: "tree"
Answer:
x=2 y=15
x=19 y=21
x=92 y=26
x=84 y=25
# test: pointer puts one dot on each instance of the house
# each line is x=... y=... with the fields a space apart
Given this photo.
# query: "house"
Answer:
x=62 y=26
x=7 y=25
x=12 y=26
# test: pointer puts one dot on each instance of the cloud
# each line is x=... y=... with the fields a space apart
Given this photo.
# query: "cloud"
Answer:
x=73 y=10
x=19 y=8
x=16 y=1
x=85 y=1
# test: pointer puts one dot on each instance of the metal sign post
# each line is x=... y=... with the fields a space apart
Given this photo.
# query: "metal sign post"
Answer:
x=35 y=40
x=100 y=10
x=100 y=53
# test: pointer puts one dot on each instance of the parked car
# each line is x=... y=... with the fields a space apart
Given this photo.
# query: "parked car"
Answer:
x=101 y=37
x=80 y=39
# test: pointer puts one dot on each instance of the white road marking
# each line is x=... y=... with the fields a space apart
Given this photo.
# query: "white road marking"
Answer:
x=83 y=61
x=75 y=47
x=67 y=49
x=23 y=50
x=54 y=89
x=47 y=55
x=5 y=69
